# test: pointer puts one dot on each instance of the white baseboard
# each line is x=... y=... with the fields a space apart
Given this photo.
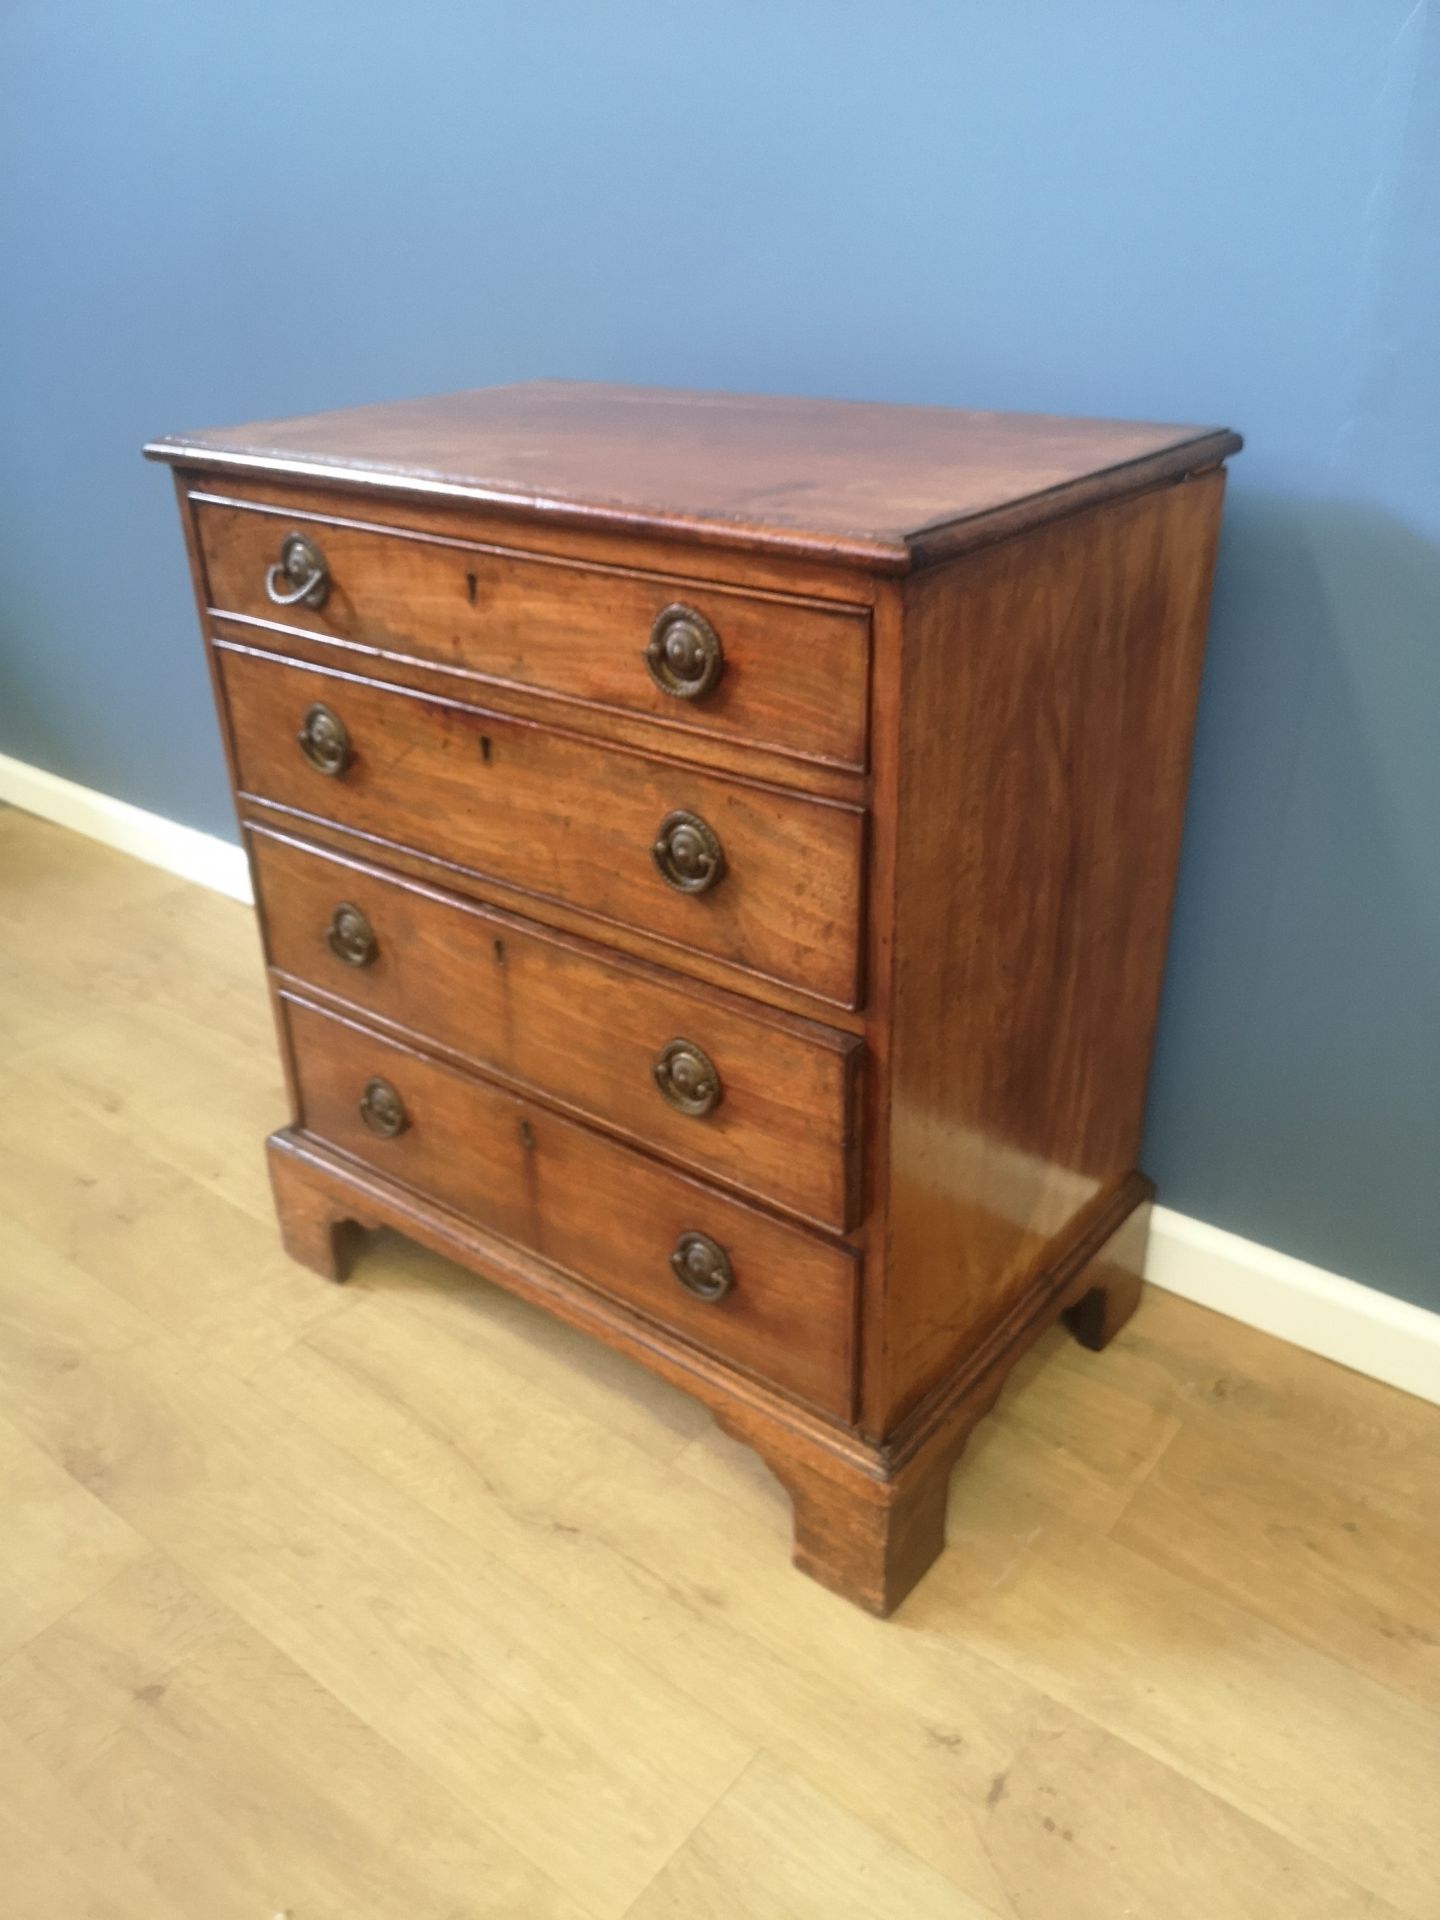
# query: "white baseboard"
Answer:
x=1357 y=1326
x=185 y=851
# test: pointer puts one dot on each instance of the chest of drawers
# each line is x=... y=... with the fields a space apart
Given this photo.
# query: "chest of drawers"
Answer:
x=714 y=858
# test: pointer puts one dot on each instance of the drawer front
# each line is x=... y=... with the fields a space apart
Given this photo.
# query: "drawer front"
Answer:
x=786 y=674
x=599 y=1211
x=562 y=818
x=769 y=1108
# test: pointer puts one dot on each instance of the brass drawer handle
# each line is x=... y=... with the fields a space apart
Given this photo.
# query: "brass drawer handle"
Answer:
x=325 y=741
x=684 y=656
x=688 y=853
x=351 y=937
x=382 y=1109
x=304 y=569
x=686 y=1075
x=702 y=1266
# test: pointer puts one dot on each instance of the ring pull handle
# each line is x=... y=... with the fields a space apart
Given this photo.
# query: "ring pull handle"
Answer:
x=686 y=1075
x=688 y=853
x=304 y=570
x=702 y=1267
x=684 y=656
x=382 y=1109
x=351 y=937
x=324 y=740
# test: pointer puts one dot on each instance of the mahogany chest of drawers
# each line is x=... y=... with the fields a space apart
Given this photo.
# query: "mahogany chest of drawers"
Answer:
x=714 y=858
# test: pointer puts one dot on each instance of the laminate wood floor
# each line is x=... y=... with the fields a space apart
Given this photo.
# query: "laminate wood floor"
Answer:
x=398 y=1602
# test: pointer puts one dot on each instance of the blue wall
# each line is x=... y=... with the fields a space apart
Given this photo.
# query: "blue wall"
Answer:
x=1222 y=212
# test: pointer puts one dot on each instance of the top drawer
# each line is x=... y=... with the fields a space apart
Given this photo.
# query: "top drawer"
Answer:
x=787 y=674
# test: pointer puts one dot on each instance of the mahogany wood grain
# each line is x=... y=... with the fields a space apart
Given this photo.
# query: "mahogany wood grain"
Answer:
x=564 y=819
x=971 y=878
x=872 y=1535
x=571 y=1023
x=705 y=752
x=887 y=690
x=794 y=676
x=824 y=578
x=854 y=481
x=311 y=1231
x=625 y=942
x=1045 y=739
x=596 y=1210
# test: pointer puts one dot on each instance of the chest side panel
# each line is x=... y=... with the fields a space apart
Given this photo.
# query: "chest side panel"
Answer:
x=1049 y=696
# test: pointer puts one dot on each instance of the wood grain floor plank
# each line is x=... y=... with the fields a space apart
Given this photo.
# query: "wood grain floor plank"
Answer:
x=592 y=1766
x=235 y=1783
x=50 y=876
x=55 y=1862
x=776 y=1849
x=1345 y=1560
x=672 y=1572
x=84 y=931
x=60 y=1542
x=192 y=1262
x=173 y=1084
x=1086 y=1825
x=1214 y=1374
x=909 y=1732
x=1346 y=1769
x=35 y=1009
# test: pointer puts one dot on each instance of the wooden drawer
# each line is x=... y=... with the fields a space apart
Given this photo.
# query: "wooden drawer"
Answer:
x=562 y=818
x=599 y=1211
x=576 y=1025
x=792 y=675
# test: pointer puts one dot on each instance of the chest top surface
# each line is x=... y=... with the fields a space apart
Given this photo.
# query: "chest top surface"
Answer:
x=872 y=484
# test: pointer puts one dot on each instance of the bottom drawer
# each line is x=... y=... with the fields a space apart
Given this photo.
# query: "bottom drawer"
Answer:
x=770 y=1298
